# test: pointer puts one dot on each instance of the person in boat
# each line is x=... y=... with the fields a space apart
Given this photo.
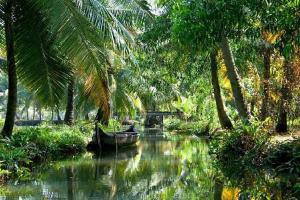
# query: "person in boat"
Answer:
x=131 y=129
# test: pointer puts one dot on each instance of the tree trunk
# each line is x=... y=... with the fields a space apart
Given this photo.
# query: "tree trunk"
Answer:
x=100 y=118
x=282 y=126
x=69 y=115
x=264 y=111
x=234 y=80
x=58 y=115
x=87 y=117
x=52 y=115
x=11 y=68
x=40 y=114
x=33 y=114
x=223 y=118
x=219 y=187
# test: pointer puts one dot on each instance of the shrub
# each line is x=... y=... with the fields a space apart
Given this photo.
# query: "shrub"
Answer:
x=29 y=145
x=199 y=128
x=285 y=157
x=240 y=150
x=173 y=124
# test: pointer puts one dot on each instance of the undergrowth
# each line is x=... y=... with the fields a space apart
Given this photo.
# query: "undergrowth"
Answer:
x=247 y=156
x=199 y=128
x=28 y=146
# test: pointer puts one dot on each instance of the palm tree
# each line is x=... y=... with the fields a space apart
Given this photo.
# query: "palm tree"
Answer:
x=69 y=115
x=223 y=117
x=234 y=80
x=45 y=40
x=7 y=17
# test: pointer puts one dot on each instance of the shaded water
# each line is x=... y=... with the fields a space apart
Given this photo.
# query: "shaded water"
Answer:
x=158 y=168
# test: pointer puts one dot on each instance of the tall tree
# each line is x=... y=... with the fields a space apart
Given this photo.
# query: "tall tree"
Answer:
x=282 y=125
x=282 y=17
x=69 y=114
x=212 y=23
x=234 y=80
x=8 y=8
x=223 y=118
x=264 y=111
x=51 y=37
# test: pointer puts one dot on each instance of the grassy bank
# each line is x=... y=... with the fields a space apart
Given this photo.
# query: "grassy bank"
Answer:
x=198 y=128
x=29 y=146
x=249 y=157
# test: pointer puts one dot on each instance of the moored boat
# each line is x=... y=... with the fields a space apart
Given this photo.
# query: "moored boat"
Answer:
x=107 y=141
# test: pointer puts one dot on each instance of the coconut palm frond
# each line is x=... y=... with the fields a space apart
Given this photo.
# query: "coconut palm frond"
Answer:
x=39 y=66
x=97 y=90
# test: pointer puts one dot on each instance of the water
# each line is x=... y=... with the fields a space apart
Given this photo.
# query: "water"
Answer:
x=157 y=168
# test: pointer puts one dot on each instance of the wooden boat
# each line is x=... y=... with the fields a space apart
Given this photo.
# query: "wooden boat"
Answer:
x=119 y=139
x=102 y=141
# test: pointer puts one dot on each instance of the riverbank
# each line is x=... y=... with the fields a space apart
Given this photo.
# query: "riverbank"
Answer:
x=250 y=157
x=29 y=147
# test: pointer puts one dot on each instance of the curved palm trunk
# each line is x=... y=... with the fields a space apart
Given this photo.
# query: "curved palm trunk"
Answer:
x=282 y=125
x=69 y=115
x=223 y=118
x=234 y=80
x=264 y=111
x=11 y=67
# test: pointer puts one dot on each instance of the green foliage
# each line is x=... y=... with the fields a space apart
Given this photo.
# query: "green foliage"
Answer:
x=29 y=145
x=285 y=157
x=240 y=150
x=172 y=124
x=247 y=157
x=1 y=123
x=198 y=128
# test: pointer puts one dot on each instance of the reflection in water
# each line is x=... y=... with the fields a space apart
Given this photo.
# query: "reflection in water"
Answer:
x=156 y=168
x=70 y=181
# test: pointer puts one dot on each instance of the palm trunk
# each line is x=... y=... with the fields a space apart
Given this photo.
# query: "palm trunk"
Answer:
x=223 y=118
x=40 y=114
x=86 y=116
x=219 y=187
x=52 y=115
x=11 y=67
x=58 y=115
x=282 y=125
x=33 y=114
x=69 y=115
x=264 y=111
x=234 y=80
x=100 y=118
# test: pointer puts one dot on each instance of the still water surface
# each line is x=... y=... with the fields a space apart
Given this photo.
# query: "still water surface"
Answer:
x=158 y=167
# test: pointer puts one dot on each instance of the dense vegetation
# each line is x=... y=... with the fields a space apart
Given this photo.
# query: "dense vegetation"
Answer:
x=231 y=67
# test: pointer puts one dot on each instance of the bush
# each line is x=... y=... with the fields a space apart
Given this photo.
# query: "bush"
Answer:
x=248 y=159
x=199 y=128
x=29 y=145
x=173 y=124
x=285 y=158
x=240 y=150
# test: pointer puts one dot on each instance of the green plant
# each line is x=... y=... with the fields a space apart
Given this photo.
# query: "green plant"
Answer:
x=172 y=124
x=29 y=145
x=240 y=150
x=285 y=157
